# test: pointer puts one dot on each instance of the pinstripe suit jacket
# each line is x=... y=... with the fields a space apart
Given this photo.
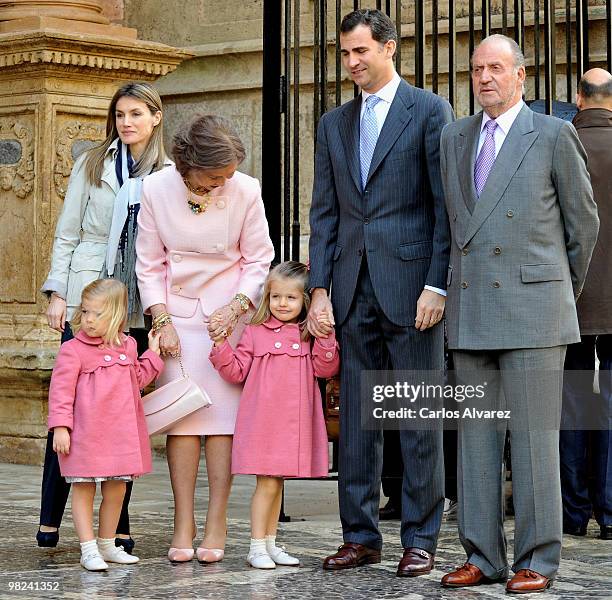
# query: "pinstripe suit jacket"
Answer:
x=520 y=252
x=399 y=219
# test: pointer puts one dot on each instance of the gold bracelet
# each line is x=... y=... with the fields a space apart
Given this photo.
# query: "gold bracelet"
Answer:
x=160 y=321
x=156 y=328
x=243 y=301
x=161 y=316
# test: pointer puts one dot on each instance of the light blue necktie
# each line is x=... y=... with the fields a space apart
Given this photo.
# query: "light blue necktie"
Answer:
x=368 y=137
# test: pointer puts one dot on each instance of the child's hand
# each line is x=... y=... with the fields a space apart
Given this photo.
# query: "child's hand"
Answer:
x=154 y=341
x=218 y=340
x=323 y=319
x=61 y=440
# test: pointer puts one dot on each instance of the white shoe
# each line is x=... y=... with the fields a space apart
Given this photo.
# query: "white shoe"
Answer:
x=450 y=510
x=116 y=554
x=261 y=560
x=92 y=561
x=280 y=557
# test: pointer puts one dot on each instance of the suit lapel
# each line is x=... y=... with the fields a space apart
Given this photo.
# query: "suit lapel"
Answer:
x=518 y=141
x=349 y=134
x=467 y=144
x=398 y=117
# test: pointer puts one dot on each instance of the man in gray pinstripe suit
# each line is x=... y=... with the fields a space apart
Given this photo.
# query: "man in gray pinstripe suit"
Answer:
x=523 y=225
x=380 y=240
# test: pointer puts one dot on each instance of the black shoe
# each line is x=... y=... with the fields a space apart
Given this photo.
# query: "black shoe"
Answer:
x=605 y=532
x=47 y=539
x=128 y=545
x=577 y=531
x=390 y=512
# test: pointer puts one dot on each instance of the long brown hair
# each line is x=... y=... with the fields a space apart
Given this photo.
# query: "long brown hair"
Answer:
x=298 y=274
x=154 y=156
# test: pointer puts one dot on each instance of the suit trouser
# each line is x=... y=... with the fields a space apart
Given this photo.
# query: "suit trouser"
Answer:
x=369 y=341
x=587 y=454
x=531 y=382
x=54 y=490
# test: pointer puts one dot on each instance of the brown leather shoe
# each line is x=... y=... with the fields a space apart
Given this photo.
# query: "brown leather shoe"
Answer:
x=466 y=576
x=415 y=562
x=526 y=581
x=351 y=555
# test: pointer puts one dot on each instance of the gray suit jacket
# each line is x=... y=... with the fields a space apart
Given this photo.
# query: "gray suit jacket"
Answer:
x=399 y=220
x=519 y=253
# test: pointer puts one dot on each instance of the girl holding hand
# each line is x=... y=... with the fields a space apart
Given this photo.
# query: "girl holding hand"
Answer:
x=95 y=389
x=280 y=430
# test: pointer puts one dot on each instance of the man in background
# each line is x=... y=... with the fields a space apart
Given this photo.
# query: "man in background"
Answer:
x=587 y=455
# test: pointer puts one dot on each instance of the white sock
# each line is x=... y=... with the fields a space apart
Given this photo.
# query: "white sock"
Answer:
x=270 y=542
x=106 y=543
x=257 y=547
x=89 y=547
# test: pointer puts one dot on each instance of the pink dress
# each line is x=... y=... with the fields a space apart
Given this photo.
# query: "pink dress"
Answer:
x=280 y=430
x=95 y=393
x=194 y=264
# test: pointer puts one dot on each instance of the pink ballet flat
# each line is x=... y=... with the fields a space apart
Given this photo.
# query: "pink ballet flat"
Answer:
x=208 y=555
x=179 y=555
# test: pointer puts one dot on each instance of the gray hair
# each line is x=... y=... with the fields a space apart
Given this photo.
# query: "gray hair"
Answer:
x=517 y=53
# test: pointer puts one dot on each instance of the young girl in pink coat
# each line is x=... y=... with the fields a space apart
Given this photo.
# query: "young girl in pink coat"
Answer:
x=96 y=415
x=280 y=430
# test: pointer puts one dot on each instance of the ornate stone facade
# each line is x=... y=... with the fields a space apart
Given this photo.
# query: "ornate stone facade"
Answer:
x=60 y=62
x=56 y=79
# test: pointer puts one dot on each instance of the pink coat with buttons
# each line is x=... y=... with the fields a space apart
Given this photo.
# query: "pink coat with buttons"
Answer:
x=280 y=429
x=183 y=258
x=95 y=393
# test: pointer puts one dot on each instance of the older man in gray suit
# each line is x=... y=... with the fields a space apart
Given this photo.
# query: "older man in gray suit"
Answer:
x=380 y=240
x=523 y=225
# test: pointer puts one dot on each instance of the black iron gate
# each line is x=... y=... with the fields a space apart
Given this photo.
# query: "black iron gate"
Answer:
x=551 y=34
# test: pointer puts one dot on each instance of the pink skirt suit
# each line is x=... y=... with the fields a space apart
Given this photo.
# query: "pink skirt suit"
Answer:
x=194 y=264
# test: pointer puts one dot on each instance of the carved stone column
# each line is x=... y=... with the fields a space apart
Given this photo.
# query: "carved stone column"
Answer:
x=60 y=63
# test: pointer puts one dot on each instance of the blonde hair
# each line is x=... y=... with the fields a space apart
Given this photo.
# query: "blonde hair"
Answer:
x=298 y=274
x=115 y=297
x=154 y=156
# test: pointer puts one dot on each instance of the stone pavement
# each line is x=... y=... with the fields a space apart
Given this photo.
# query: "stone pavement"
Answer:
x=586 y=568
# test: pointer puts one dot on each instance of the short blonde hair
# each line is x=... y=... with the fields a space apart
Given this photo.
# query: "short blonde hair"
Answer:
x=298 y=274
x=115 y=297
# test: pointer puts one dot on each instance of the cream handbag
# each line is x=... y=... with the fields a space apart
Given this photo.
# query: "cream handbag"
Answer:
x=171 y=403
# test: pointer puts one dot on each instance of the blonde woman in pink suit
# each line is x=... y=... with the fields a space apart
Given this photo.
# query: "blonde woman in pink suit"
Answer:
x=203 y=252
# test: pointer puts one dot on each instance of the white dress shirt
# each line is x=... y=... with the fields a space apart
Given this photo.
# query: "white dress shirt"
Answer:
x=381 y=110
x=504 y=122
